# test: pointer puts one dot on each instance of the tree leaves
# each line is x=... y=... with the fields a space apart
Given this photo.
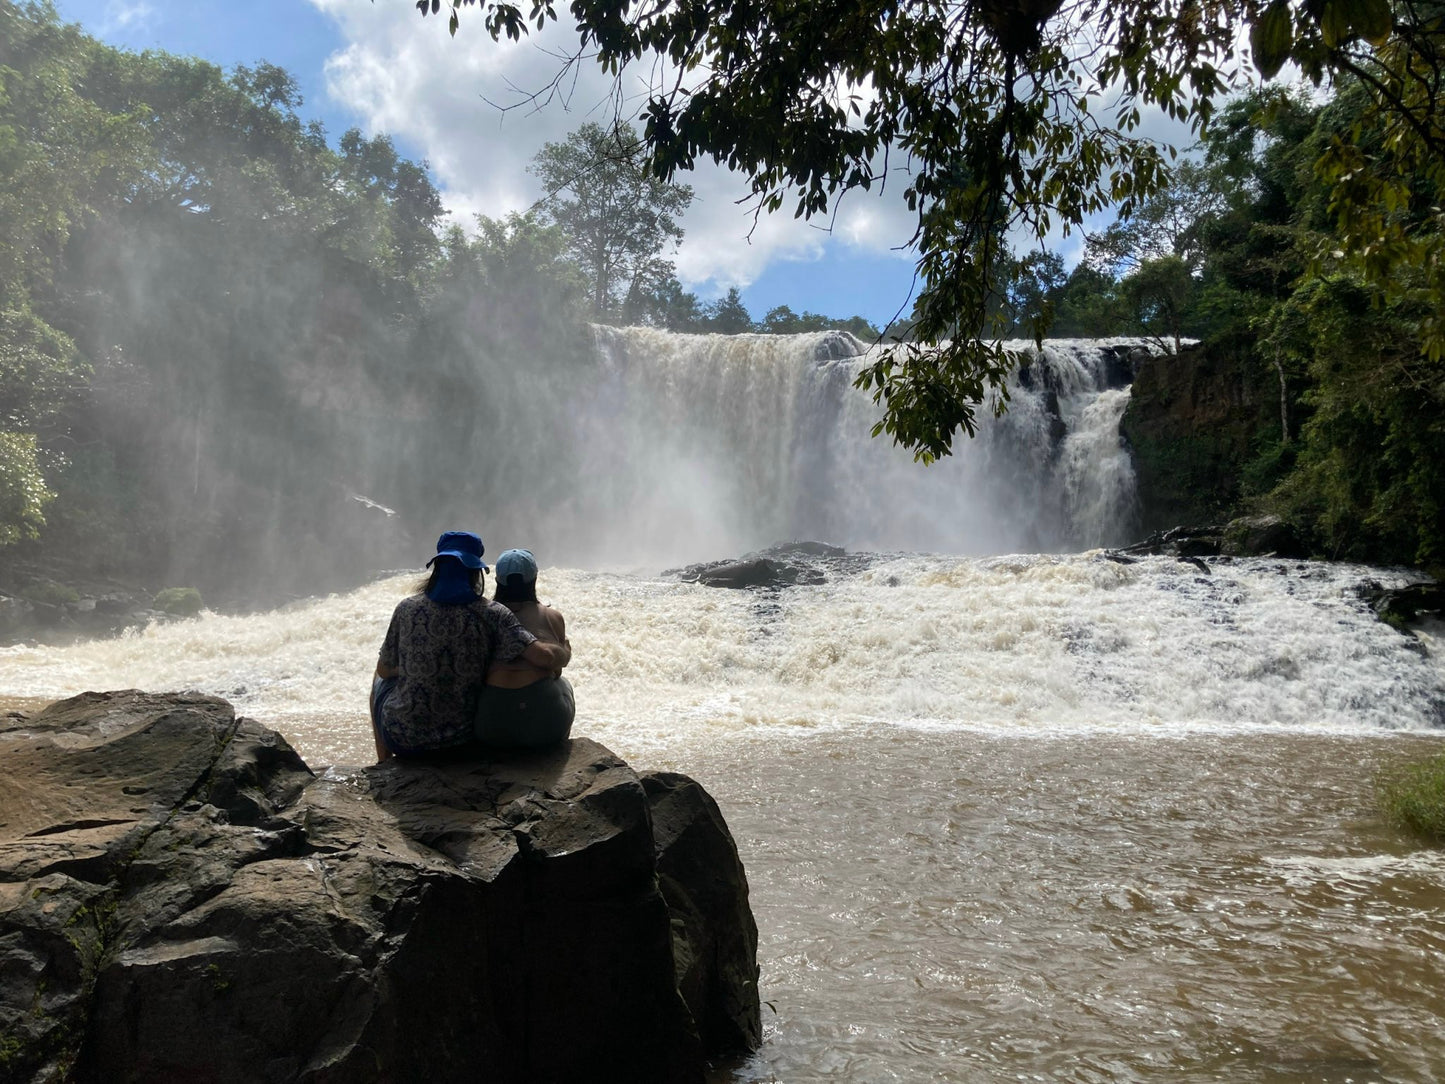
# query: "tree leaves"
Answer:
x=619 y=216
x=1271 y=38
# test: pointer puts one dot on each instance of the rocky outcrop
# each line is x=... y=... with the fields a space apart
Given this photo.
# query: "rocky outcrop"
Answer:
x=1193 y=423
x=838 y=346
x=34 y=607
x=181 y=899
x=1403 y=606
x=782 y=565
x=1248 y=536
x=714 y=937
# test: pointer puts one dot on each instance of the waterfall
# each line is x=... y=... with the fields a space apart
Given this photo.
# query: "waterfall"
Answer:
x=710 y=445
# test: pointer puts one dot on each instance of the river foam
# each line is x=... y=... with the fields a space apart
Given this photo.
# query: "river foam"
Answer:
x=1027 y=645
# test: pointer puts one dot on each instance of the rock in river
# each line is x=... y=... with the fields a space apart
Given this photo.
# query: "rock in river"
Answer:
x=181 y=899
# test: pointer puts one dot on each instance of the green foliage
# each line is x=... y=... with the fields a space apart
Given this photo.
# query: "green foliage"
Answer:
x=1088 y=305
x=215 y=327
x=39 y=370
x=51 y=593
x=180 y=601
x=666 y=304
x=782 y=320
x=1169 y=223
x=1033 y=285
x=619 y=217
x=11 y=1046
x=728 y=314
x=1269 y=467
x=1159 y=295
x=1383 y=171
x=23 y=494
x=1412 y=797
x=1370 y=473
x=1351 y=453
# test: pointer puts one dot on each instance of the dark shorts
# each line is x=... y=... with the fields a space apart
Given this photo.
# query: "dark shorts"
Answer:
x=533 y=716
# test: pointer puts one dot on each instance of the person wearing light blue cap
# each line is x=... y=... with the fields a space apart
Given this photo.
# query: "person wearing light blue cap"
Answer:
x=438 y=649
x=525 y=706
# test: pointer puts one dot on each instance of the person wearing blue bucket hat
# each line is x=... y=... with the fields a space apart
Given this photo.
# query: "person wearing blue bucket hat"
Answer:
x=525 y=706
x=438 y=649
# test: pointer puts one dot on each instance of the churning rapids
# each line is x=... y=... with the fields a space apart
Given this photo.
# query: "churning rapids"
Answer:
x=1038 y=817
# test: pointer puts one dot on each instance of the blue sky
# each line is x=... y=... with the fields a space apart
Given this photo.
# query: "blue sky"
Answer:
x=380 y=67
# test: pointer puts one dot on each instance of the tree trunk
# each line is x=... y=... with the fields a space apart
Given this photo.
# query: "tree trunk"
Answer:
x=1283 y=401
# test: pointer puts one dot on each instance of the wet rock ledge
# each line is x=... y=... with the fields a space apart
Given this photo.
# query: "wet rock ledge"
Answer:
x=181 y=898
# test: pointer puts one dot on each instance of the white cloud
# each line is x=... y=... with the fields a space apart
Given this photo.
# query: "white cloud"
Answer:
x=406 y=76
x=120 y=15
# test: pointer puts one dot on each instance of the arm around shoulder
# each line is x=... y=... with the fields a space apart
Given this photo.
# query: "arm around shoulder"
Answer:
x=547 y=656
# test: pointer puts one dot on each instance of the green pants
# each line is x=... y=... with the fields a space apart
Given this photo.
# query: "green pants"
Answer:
x=527 y=718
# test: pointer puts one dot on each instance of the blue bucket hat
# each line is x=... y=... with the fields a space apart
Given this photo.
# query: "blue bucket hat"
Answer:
x=516 y=563
x=464 y=546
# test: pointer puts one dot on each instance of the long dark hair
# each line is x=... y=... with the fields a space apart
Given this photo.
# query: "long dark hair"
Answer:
x=515 y=589
x=424 y=587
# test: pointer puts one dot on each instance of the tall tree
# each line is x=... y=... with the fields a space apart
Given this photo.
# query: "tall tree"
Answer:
x=621 y=218
x=728 y=314
x=1169 y=223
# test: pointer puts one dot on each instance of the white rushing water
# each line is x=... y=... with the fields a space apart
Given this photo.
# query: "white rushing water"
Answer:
x=1021 y=645
x=1030 y=817
x=710 y=445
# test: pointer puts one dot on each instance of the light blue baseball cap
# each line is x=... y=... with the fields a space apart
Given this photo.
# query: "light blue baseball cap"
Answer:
x=516 y=563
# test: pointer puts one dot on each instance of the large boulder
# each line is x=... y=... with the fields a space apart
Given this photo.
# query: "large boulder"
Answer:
x=714 y=937
x=1404 y=606
x=181 y=899
x=1263 y=536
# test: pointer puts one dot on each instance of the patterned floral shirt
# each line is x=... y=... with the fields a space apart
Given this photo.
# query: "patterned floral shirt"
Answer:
x=442 y=654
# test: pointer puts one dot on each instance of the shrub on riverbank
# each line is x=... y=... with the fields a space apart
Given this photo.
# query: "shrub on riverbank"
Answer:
x=180 y=601
x=1412 y=797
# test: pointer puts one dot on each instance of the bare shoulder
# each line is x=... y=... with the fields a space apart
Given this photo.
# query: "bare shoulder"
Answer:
x=554 y=618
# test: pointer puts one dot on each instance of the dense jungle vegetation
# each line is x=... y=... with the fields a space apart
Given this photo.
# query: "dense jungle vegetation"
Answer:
x=225 y=339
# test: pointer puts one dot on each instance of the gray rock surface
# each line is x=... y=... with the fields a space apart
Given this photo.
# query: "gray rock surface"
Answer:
x=784 y=564
x=714 y=937
x=1247 y=536
x=1403 y=606
x=181 y=899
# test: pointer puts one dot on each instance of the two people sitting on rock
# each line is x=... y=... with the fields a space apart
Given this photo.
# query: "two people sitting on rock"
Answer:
x=439 y=654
